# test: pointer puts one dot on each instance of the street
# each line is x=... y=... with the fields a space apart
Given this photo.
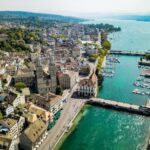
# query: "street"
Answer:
x=69 y=112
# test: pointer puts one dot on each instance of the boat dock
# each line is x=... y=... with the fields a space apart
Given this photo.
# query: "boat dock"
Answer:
x=120 y=106
x=131 y=53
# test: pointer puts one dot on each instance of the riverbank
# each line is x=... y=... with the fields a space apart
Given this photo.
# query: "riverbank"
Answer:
x=75 y=122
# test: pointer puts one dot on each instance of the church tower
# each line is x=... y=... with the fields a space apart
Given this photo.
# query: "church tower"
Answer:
x=99 y=37
x=52 y=72
x=52 y=67
x=39 y=70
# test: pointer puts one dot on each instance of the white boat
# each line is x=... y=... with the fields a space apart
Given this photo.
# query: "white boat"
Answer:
x=136 y=91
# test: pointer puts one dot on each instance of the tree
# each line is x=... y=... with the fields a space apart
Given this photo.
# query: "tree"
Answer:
x=59 y=90
x=106 y=45
x=100 y=79
x=4 y=81
x=20 y=85
x=1 y=116
x=93 y=57
x=147 y=56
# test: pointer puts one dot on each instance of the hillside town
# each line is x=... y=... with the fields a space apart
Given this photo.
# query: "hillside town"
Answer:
x=40 y=69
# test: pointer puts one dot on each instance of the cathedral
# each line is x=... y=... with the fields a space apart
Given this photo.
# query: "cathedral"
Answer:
x=46 y=82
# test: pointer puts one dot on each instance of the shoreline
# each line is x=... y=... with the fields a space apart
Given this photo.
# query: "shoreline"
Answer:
x=74 y=122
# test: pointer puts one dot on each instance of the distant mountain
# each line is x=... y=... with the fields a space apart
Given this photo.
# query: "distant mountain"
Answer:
x=134 y=17
x=25 y=15
x=139 y=18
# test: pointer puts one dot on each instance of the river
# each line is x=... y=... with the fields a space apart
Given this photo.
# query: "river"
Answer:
x=103 y=129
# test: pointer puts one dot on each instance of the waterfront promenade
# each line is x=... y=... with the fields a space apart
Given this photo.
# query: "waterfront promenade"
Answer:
x=69 y=112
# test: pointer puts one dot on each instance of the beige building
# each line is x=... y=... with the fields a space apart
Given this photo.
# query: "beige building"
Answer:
x=15 y=98
x=76 y=52
x=12 y=126
x=11 y=70
x=6 y=143
x=88 y=87
x=41 y=113
x=49 y=102
x=33 y=136
x=26 y=76
x=67 y=79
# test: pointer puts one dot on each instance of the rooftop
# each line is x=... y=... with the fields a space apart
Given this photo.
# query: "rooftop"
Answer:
x=42 y=113
x=8 y=122
x=5 y=142
x=35 y=130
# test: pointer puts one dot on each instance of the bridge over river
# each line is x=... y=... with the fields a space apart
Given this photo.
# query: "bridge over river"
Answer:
x=120 y=106
x=131 y=53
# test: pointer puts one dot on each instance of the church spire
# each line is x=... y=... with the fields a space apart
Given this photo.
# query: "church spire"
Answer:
x=51 y=59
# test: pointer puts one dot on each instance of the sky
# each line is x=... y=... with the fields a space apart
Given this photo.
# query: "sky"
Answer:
x=78 y=6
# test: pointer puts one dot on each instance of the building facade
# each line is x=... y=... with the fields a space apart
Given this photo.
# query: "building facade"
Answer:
x=88 y=87
x=7 y=143
x=1 y=85
x=26 y=77
x=12 y=126
x=67 y=79
x=9 y=110
x=46 y=82
x=33 y=136
x=50 y=102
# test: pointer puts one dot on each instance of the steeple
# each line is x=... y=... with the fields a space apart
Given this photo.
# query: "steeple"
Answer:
x=38 y=62
x=39 y=70
x=52 y=67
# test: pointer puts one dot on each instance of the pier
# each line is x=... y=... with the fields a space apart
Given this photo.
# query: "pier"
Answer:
x=120 y=106
x=130 y=53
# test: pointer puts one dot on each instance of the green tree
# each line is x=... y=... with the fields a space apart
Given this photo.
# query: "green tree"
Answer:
x=100 y=79
x=4 y=81
x=93 y=57
x=106 y=45
x=20 y=85
x=1 y=116
x=59 y=90
x=147 y=56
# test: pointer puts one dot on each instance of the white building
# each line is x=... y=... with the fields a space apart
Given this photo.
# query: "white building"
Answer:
x=15 y=98
x=9 y=110
x=12 y=125
x=21 y=122
x=91 y=49
x=88 y=87
x=1 y=87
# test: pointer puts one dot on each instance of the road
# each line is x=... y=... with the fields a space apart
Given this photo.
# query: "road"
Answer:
x=70 y=110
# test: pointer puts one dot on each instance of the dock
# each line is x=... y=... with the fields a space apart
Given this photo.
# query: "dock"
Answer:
x=120 y=106
x=130 y=53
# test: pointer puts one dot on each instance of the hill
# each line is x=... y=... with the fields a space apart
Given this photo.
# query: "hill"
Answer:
x=7 y=15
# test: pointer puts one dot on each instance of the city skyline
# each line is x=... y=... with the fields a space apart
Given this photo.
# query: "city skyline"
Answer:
x=68 y=7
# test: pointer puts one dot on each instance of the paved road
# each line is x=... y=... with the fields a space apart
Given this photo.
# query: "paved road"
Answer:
x=70 y=110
